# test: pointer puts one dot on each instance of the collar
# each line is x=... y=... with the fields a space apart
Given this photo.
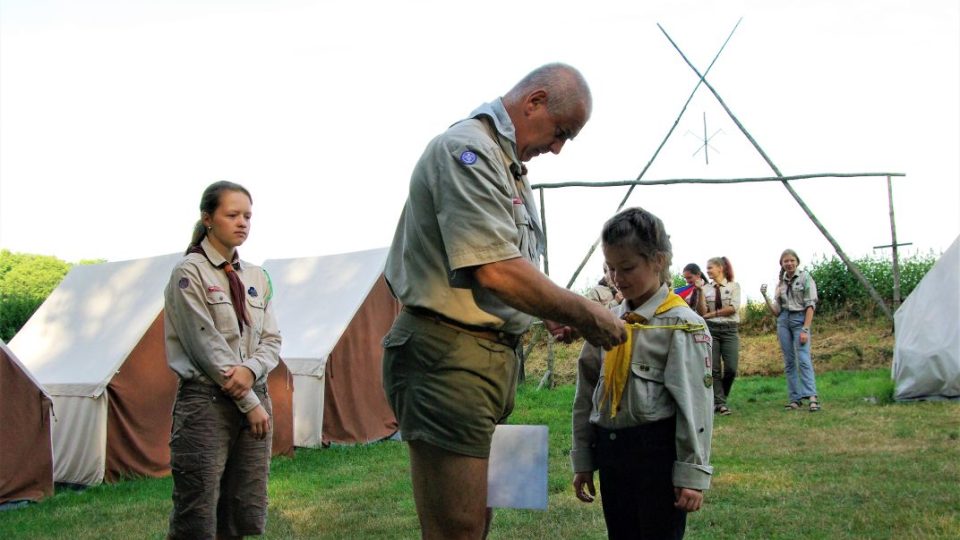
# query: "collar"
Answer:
x=214 y=256
x=648 y=309
x=787 y=279
x=502 y=123
x=721 y=282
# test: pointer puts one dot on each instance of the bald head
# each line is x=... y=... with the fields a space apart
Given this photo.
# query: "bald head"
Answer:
x=564 y=84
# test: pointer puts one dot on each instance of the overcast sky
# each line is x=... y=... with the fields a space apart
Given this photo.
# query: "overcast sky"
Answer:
x=114 y=115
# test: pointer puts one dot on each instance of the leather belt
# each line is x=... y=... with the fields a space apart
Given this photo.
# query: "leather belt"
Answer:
x=503 y=338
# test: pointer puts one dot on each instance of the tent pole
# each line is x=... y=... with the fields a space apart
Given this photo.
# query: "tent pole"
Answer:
x=893 y=242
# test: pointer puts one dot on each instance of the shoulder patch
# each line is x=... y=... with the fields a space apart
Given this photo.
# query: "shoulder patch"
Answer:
x=702 y=338
x=468 y=157
x=183 y=283
x=252 y=291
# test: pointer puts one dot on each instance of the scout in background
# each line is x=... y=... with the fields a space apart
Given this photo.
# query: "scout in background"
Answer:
x=642 y=412
x=222 y=341
x=604 y=293
x=793 y=306
x=723 y=320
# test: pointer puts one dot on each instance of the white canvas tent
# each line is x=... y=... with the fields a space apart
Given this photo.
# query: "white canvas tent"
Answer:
x=333 y=312
x=97 y=347
x=926 y=353
x=75 y=344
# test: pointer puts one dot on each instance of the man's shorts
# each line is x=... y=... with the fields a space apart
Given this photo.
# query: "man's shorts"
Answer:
x=212 y=452
x=447 y=388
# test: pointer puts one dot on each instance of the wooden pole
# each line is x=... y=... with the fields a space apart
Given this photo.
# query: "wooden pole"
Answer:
x=596 y=242
x=854 y=269
x=893 y=241
x=543 y=225
x=547 y=380
x=669 y=181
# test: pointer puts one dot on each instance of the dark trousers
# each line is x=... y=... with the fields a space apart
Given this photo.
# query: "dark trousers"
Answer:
x=726 y=357
x=636 y=481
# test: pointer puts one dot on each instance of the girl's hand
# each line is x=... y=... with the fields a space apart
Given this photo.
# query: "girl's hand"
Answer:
x=259 y=422
x=688 y=500
x=580 y=480
x=763 y=290
x=804 y=337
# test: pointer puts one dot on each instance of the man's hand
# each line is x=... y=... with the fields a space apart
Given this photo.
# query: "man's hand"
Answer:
x=688 y=500
x=560 y=332
x=237 y=381
x=581 y=480
x=259 y=422
x=603 y=329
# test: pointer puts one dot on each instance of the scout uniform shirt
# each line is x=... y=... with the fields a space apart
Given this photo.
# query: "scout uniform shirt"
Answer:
x=468 y=205
x=729 y=296
x=796 y=293
x=669 y=376
x=202 y=333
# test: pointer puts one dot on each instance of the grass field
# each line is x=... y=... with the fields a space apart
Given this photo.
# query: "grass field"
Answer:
x=861 y=468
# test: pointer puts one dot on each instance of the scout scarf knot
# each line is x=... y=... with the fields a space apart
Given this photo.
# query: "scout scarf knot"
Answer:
x=237 y=290
x=616 y=362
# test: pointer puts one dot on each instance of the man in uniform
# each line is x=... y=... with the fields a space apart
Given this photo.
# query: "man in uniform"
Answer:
x=465 y=264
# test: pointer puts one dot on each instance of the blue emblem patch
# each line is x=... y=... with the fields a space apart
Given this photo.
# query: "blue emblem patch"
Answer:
x=252 y=291
x=468 y=157
x=183 y=283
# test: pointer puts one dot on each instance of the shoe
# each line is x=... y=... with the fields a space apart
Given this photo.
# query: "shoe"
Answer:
x=814 y=404
x=722 y=410
x=792 y=406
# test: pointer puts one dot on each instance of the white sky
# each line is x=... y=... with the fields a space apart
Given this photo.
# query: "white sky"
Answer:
x=114 y=115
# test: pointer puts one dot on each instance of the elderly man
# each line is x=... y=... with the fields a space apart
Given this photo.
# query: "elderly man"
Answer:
x=465 y=265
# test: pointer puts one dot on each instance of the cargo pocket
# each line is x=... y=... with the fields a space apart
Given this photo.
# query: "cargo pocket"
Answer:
x=652 y=398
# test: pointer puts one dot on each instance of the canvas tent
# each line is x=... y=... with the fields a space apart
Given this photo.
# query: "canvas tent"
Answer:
x=333 y=312
x=96 y=345
x=26 y=457
x=926 y=352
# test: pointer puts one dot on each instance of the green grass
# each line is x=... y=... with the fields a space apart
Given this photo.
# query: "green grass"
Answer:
x=864 y=467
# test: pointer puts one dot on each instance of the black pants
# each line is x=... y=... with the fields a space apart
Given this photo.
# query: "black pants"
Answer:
x=636 y=481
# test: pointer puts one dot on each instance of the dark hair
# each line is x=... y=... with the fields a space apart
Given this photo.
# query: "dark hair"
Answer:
x=644 y=232
x=209 y=202
x=724 y=263
x=786 y=252
x=694 y=269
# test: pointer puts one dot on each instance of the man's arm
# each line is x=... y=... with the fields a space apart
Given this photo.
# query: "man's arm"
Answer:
x=522 y=286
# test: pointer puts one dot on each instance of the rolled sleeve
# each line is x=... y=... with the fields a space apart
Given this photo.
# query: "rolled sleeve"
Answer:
x=810 y=293
x=588 y=373
x=684 y=378
x=474 y=207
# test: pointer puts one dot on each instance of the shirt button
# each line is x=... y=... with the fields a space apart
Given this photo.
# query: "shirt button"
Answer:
x=613 y=436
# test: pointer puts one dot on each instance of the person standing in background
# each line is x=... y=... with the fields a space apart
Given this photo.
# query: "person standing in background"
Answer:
x=793 y=305
x=222 y=341
x=696 y=299
x=723 y=320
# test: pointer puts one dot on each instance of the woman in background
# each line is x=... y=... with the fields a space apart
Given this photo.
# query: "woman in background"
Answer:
x=793 y=306
x=222 y=341
x=723 y=320
x=695 y=277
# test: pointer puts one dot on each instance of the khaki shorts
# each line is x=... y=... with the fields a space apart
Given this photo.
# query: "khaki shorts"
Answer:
x=219 y=470
x=447 y=388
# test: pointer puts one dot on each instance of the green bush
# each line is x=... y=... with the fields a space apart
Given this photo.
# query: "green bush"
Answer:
x=840 y=292
x=25 y=282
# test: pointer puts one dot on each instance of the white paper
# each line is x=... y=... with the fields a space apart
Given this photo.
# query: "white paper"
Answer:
x=517 y=474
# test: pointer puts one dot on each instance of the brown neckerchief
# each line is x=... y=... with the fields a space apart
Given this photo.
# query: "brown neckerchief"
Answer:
x=237 y=290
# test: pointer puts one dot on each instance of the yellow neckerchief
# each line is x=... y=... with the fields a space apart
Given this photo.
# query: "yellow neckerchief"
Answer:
x=616 y=362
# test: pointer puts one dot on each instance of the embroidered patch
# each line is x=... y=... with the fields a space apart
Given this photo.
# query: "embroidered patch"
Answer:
x=252 y=292
x=468 y=157
x=708 y=380
x=707 y=362
x=183 y=283
x=517 y=200
x=214 y=288
x=702 y=338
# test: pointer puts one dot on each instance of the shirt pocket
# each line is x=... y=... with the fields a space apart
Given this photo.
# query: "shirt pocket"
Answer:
x=221 y=310
x=650 y=398
x=255 y=309
x=524 y=230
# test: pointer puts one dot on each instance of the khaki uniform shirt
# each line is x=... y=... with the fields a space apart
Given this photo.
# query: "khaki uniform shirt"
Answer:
x=602 y=295
x=465 y=208
x=669 y=376
x=729 y=296
x=796 y=293
x=202 y=334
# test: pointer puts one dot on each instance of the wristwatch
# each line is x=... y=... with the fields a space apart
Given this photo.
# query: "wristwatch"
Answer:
x=805 y=330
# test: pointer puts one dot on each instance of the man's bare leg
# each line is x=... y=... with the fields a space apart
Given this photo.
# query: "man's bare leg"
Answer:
x=450 y=491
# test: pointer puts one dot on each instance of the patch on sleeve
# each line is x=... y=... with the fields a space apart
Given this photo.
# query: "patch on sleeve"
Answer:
x=707 y=362
x=707 y=380
x=252 y=291
x=183 y=283
x=468 y=157
x=702 y=338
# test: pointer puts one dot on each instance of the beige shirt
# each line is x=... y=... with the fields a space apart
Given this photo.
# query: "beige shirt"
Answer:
x=796 y=293
x=669 y=374
x=465 y=209
x=202 y=334
x=602 y=295
x=729 y=296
